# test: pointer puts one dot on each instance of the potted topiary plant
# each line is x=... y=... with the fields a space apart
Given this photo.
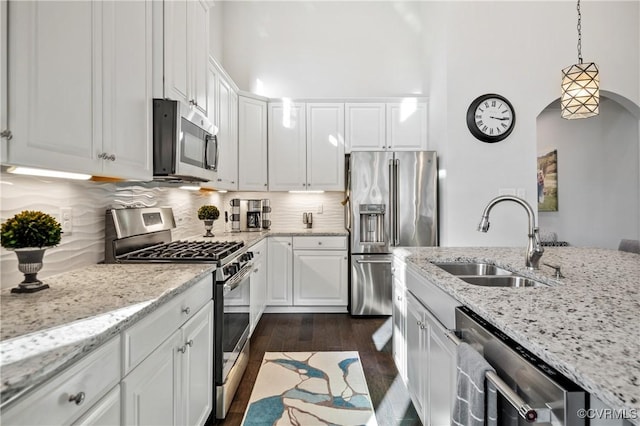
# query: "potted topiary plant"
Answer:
x=208 y=214
x=29 y=234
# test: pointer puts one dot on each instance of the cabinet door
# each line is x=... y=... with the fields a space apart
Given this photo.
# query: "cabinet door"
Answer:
x=280 y=271
x=325 y=147
x=126 y=89
x=441 y=375
x=365 y=126
x=152 y=390
x=105 y=412
x=319 y=278
x=197 y=397
x=416 y=354
x=227 y=176
x=177 y=71
x=53 y=101
x=287 y=147
x=199 y=21
x=258 y=290
x=399 y=328
x=252 y=144
x=407 y=125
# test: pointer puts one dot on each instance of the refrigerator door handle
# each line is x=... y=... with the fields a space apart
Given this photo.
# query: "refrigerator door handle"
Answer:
x=392 y=198
x=396 y=208
x=373 y=261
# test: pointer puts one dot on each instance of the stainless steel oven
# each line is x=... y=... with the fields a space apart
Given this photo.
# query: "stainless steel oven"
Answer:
x=231 y=323
x=529 y=390
x=141 y=235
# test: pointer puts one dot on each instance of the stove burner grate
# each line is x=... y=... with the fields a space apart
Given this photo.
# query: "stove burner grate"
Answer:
x=188 y=251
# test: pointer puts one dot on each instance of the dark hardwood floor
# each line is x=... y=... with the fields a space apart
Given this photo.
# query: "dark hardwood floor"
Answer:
x=371 y=337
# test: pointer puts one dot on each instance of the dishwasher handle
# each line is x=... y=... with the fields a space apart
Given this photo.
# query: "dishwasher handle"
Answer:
x=531 y=415
x=373 y=261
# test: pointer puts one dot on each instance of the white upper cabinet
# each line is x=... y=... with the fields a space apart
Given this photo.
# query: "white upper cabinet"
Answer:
x=395 y=126
x=325 y=146
x=407 y=125
x=306 y=146
x=80 y=98
x=287 y=147
x=227 y=175
x=252 y=144
x=365 y=126
x=186 y=47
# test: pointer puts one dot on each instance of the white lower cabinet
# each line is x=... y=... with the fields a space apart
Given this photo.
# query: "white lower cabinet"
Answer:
x=424 y=356
x=280 y=271
x=320 y=278
x=105 y=412
x=308 y=274
x=173 y=385
x=72 y=393
x=258 y=295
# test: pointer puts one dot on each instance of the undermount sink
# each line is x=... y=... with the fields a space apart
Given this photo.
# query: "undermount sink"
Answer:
x=502 y=281
x=487 y=275
x=482 y=269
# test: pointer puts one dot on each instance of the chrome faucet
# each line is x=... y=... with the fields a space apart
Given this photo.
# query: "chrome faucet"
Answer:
x=534 y=248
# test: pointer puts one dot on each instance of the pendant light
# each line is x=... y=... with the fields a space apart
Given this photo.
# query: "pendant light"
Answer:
x=580 y=85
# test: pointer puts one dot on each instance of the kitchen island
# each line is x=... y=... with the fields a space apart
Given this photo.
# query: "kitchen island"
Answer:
x=585 y=325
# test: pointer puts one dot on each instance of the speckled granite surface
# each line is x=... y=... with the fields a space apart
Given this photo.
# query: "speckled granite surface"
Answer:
x=43 y=333
x=586 y=325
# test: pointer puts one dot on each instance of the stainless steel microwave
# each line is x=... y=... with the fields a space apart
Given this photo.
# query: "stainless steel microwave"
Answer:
x=185 y=147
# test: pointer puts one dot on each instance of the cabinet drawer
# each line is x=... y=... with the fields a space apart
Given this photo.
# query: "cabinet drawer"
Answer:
x=319 y=243
x=147 y=334
x=89 y=379
x=259 y=249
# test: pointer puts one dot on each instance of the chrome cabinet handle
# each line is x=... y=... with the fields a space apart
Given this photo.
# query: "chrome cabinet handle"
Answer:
x=77 y=398
x=111 y=157
x=189 y=343
x=319 y=243
x=265 y=184
x=419 y=323
x=422 y=327
x=186 y=310
x=182 y=349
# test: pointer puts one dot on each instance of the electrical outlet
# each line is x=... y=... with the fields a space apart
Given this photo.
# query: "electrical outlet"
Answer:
x=320 y=207
x=66 y=220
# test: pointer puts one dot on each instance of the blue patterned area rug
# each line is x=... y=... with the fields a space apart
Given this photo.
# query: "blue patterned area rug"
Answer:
x=310 y=388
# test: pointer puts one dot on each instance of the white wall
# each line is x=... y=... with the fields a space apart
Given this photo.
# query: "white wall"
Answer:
x=597 y=176
x=517 y=49
x=324 y=49
x=451 y=52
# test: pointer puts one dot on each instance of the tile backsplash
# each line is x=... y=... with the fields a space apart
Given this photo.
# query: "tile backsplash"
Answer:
x=89 y=200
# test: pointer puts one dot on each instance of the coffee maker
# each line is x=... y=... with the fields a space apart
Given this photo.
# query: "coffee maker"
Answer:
x=248 y=215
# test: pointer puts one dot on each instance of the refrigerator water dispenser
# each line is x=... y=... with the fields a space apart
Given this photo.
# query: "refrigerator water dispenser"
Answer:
x=372 y=223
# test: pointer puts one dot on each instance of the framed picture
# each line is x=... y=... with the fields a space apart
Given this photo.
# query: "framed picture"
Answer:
x=548 y=181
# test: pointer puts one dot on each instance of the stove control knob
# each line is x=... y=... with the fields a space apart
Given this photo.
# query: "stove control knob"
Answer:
x=236 y=267
x=250 y=255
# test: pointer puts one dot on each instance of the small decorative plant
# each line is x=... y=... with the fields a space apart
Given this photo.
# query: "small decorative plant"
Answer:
x=30 y=229
x=30 y=233
x=208 y=212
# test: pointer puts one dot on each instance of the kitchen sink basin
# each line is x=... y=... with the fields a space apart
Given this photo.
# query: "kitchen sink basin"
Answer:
x=502 y=281
x=477 y=269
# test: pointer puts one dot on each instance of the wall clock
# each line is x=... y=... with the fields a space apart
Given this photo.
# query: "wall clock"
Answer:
x=491 y=118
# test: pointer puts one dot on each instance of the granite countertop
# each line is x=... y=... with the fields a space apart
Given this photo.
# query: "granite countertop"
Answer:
x=43 y=333
x=585 y=325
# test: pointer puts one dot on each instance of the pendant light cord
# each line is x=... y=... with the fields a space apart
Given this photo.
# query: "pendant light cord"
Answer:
x=579 y=34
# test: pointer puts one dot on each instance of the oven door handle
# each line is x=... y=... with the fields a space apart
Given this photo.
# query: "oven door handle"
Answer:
x=235 y=281
x=531 y=415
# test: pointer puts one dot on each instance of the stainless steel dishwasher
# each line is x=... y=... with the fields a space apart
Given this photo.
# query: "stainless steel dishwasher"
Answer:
x=529 y=390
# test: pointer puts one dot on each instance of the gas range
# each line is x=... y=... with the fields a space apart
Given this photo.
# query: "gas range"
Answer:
x=143 y=235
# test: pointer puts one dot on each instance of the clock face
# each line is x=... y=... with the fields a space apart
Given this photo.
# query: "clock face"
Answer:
x=490 y=118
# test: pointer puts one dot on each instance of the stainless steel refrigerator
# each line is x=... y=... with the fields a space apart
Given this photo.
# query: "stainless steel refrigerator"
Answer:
x=393 y=202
